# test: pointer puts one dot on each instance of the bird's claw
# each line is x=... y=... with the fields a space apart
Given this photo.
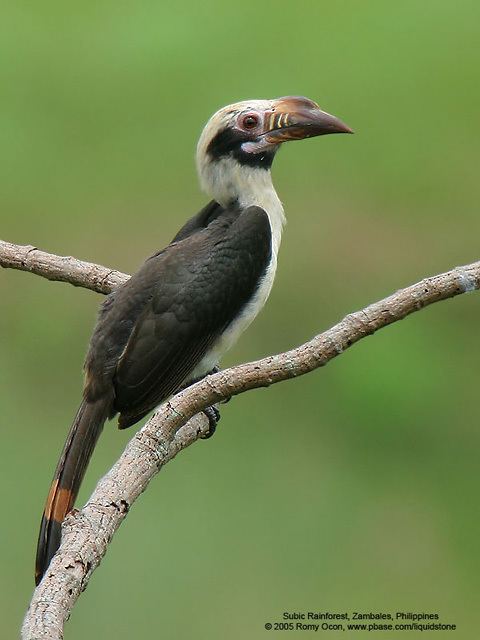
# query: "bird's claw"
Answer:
x=213 y=415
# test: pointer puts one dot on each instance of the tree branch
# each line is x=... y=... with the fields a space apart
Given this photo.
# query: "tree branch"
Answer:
x=87 y=533
x=62 y=268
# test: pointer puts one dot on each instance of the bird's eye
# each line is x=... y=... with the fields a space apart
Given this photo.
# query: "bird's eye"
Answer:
x=249 y=121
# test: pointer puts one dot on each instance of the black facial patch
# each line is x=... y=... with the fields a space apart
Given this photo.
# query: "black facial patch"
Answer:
x=228 y=142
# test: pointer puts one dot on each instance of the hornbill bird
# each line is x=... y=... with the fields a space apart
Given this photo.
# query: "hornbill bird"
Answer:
x=170 y=323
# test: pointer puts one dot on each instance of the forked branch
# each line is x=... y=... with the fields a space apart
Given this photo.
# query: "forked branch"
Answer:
x=87 y=533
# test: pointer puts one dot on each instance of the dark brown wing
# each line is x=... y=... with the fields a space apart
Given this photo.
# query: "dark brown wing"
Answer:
x=122 y=309
x=201 y=285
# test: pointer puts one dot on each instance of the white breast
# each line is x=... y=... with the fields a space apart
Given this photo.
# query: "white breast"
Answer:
x=267 y=199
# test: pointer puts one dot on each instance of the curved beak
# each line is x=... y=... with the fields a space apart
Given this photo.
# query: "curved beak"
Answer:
x=296 y=118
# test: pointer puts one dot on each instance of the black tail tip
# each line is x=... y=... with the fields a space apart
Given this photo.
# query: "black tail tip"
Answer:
x=48 y=543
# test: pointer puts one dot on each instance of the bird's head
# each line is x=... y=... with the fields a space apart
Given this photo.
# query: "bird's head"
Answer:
x=239 y=142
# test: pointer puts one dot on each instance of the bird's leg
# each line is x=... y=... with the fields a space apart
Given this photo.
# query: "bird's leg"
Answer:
x=215 y=369
x=212 y=413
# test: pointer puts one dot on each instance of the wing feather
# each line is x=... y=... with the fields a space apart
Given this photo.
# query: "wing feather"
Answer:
x=192 y=290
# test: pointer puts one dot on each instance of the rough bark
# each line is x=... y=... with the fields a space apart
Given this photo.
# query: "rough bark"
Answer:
x=62 y=268
x=87 y=533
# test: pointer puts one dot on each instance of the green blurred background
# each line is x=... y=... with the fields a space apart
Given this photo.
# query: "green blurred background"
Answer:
x=354 y=488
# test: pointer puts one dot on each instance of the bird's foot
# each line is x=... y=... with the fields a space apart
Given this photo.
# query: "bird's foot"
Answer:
x=213 y=415
x=215 y=369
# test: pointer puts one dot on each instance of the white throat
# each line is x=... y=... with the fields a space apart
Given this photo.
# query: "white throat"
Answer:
x=226 y=181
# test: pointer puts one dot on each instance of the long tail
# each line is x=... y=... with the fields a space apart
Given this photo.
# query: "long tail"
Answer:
x=71 y=467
